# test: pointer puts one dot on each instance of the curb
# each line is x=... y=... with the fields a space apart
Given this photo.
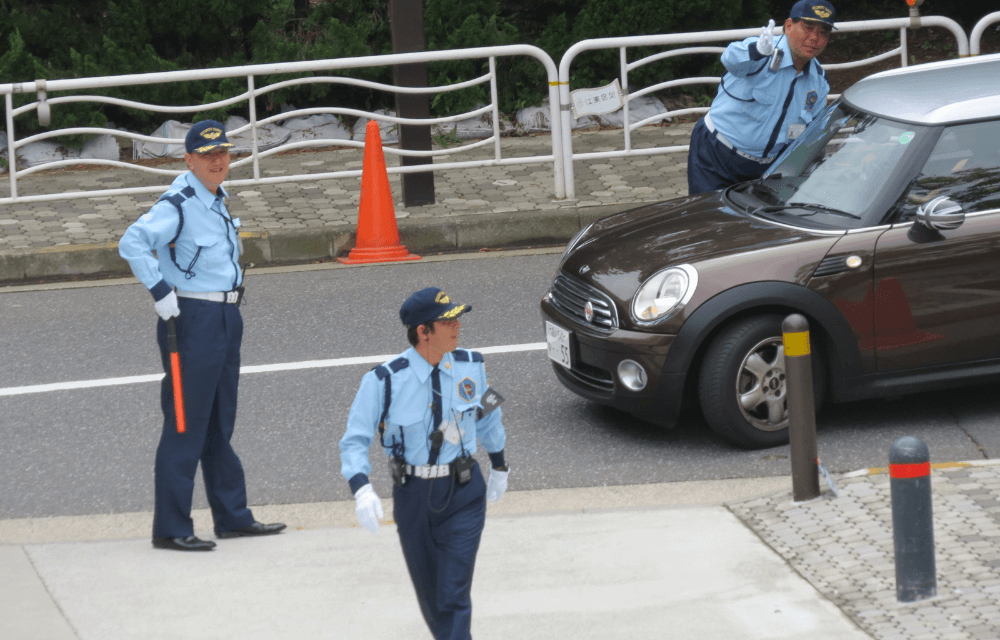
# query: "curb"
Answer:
x=467 y=232
x=874 y=471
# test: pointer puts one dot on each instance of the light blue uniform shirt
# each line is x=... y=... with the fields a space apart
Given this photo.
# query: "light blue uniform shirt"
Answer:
x=756 y=108
x=208 y=247
x=410 y=415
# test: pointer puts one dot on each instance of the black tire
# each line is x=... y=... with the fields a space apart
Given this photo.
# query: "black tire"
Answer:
x=730 y=369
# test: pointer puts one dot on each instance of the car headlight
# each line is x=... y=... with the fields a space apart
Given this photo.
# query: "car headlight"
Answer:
x=663 y=293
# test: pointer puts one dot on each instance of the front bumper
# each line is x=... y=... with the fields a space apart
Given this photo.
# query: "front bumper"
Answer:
x=596 y=354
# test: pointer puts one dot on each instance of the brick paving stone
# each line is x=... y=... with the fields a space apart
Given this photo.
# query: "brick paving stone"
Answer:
x=856 y=569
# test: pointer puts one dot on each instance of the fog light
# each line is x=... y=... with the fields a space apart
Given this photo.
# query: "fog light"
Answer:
x=632 y=375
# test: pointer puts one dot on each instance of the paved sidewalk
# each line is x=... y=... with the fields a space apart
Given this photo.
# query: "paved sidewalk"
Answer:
x=475 y=208
x=605 y=562
x=613 y=562
x=844 y=548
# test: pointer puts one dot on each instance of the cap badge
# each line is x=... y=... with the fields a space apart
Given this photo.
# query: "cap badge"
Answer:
x=821 y=11
x=211 y=133
x=451 y=313
x=442 y=298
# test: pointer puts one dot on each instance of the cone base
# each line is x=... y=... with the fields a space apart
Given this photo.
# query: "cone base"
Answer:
x=381 y=254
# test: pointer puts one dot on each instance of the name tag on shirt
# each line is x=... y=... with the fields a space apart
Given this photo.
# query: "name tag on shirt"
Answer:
x=795 y=130
x=239 y=239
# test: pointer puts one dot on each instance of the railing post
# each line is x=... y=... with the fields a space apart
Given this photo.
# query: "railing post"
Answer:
x=495 y=99
x=801 y=408
x=11 y=158
x=624 y=71
x=912 y=519
x=562 y=109
x=253 y=126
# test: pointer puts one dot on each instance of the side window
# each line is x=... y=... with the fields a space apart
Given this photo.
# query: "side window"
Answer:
x=964 y=166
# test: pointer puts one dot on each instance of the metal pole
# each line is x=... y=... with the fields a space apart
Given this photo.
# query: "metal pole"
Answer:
x=253 y=126
x=801 y=408
x=406 y=24
x=11 y=158
x=912 y=519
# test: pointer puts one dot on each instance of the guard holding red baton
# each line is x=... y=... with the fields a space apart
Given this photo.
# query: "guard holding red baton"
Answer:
x=197 y=285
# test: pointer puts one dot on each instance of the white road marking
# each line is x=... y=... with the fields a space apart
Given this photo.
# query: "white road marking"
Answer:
x=261 y=368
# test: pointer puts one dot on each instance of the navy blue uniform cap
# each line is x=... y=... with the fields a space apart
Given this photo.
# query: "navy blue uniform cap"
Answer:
x=206 y=136
x=814 y=11
x=430 y=305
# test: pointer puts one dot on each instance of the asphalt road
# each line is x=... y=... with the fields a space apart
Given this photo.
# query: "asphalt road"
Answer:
x=90 y=450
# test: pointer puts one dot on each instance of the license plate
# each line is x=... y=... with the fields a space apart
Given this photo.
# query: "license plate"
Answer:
x=558 y=341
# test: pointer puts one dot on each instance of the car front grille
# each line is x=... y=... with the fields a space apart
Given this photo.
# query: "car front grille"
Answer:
x=571 y=296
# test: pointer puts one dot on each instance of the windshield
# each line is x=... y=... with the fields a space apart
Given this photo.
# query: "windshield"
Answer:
x=841 y=171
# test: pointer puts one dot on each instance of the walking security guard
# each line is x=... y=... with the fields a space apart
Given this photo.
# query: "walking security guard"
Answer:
x=196 y=278
x=429 y=406
x=770 y=92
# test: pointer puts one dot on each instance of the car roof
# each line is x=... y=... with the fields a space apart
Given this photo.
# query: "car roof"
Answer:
x=933 y=94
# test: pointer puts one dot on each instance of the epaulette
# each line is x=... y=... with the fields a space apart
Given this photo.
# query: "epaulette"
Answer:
x=383 y=371
x=464 y=355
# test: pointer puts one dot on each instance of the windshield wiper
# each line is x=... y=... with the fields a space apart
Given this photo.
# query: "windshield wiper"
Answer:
x=779 y=208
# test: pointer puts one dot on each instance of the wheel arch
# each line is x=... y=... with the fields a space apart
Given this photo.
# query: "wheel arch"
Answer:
x=827 y=327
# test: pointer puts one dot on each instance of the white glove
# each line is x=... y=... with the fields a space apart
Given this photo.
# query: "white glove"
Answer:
x=765 y=43
x=368 y=507
x=166 y=307
x=496 y=485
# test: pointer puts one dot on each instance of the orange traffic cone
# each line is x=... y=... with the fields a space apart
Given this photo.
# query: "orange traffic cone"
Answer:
x=378 y=237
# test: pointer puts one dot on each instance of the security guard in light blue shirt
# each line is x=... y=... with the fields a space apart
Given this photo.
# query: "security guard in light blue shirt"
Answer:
x=769 y=94
x=427 y=408
x=195 y=280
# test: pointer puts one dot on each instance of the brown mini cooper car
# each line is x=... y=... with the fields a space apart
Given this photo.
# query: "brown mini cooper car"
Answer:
x=880 y=224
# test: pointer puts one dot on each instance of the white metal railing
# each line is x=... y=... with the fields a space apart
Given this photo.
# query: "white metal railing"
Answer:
x=977 y=31
x=43 y=107
x=562 y=157
x=701 y=37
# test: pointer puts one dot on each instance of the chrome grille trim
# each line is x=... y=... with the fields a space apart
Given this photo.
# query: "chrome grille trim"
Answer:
x=570 y=296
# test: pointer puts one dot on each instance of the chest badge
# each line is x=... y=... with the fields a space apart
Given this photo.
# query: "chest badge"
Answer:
x=467 y=389
x=811 y=99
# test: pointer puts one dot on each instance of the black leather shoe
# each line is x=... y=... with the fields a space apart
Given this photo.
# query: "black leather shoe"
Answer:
x=187 y=543
x=256 y=529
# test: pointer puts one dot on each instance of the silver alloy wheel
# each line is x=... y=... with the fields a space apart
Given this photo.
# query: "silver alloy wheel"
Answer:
x=760 y=386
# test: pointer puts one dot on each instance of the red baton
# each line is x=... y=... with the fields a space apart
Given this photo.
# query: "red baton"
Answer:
x=175 y=374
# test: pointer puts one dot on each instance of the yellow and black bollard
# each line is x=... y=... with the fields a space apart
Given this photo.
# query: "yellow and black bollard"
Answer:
x=801 y=408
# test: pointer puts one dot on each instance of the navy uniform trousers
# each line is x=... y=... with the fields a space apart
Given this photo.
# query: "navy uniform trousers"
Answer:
x=440 y=539
x=208 y=340
x=712 y=165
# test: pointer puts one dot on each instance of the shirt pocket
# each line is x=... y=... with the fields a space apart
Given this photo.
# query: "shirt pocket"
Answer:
x=212 y=250
x=412 y=421
x=760 y=108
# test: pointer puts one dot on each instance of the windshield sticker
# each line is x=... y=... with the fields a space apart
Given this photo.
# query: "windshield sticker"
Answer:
x=906 y=138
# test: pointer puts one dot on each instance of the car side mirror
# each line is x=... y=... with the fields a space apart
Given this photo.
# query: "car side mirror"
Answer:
x=941 y=214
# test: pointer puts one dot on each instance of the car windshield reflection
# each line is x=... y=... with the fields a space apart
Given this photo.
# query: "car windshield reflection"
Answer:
x=838 y=170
